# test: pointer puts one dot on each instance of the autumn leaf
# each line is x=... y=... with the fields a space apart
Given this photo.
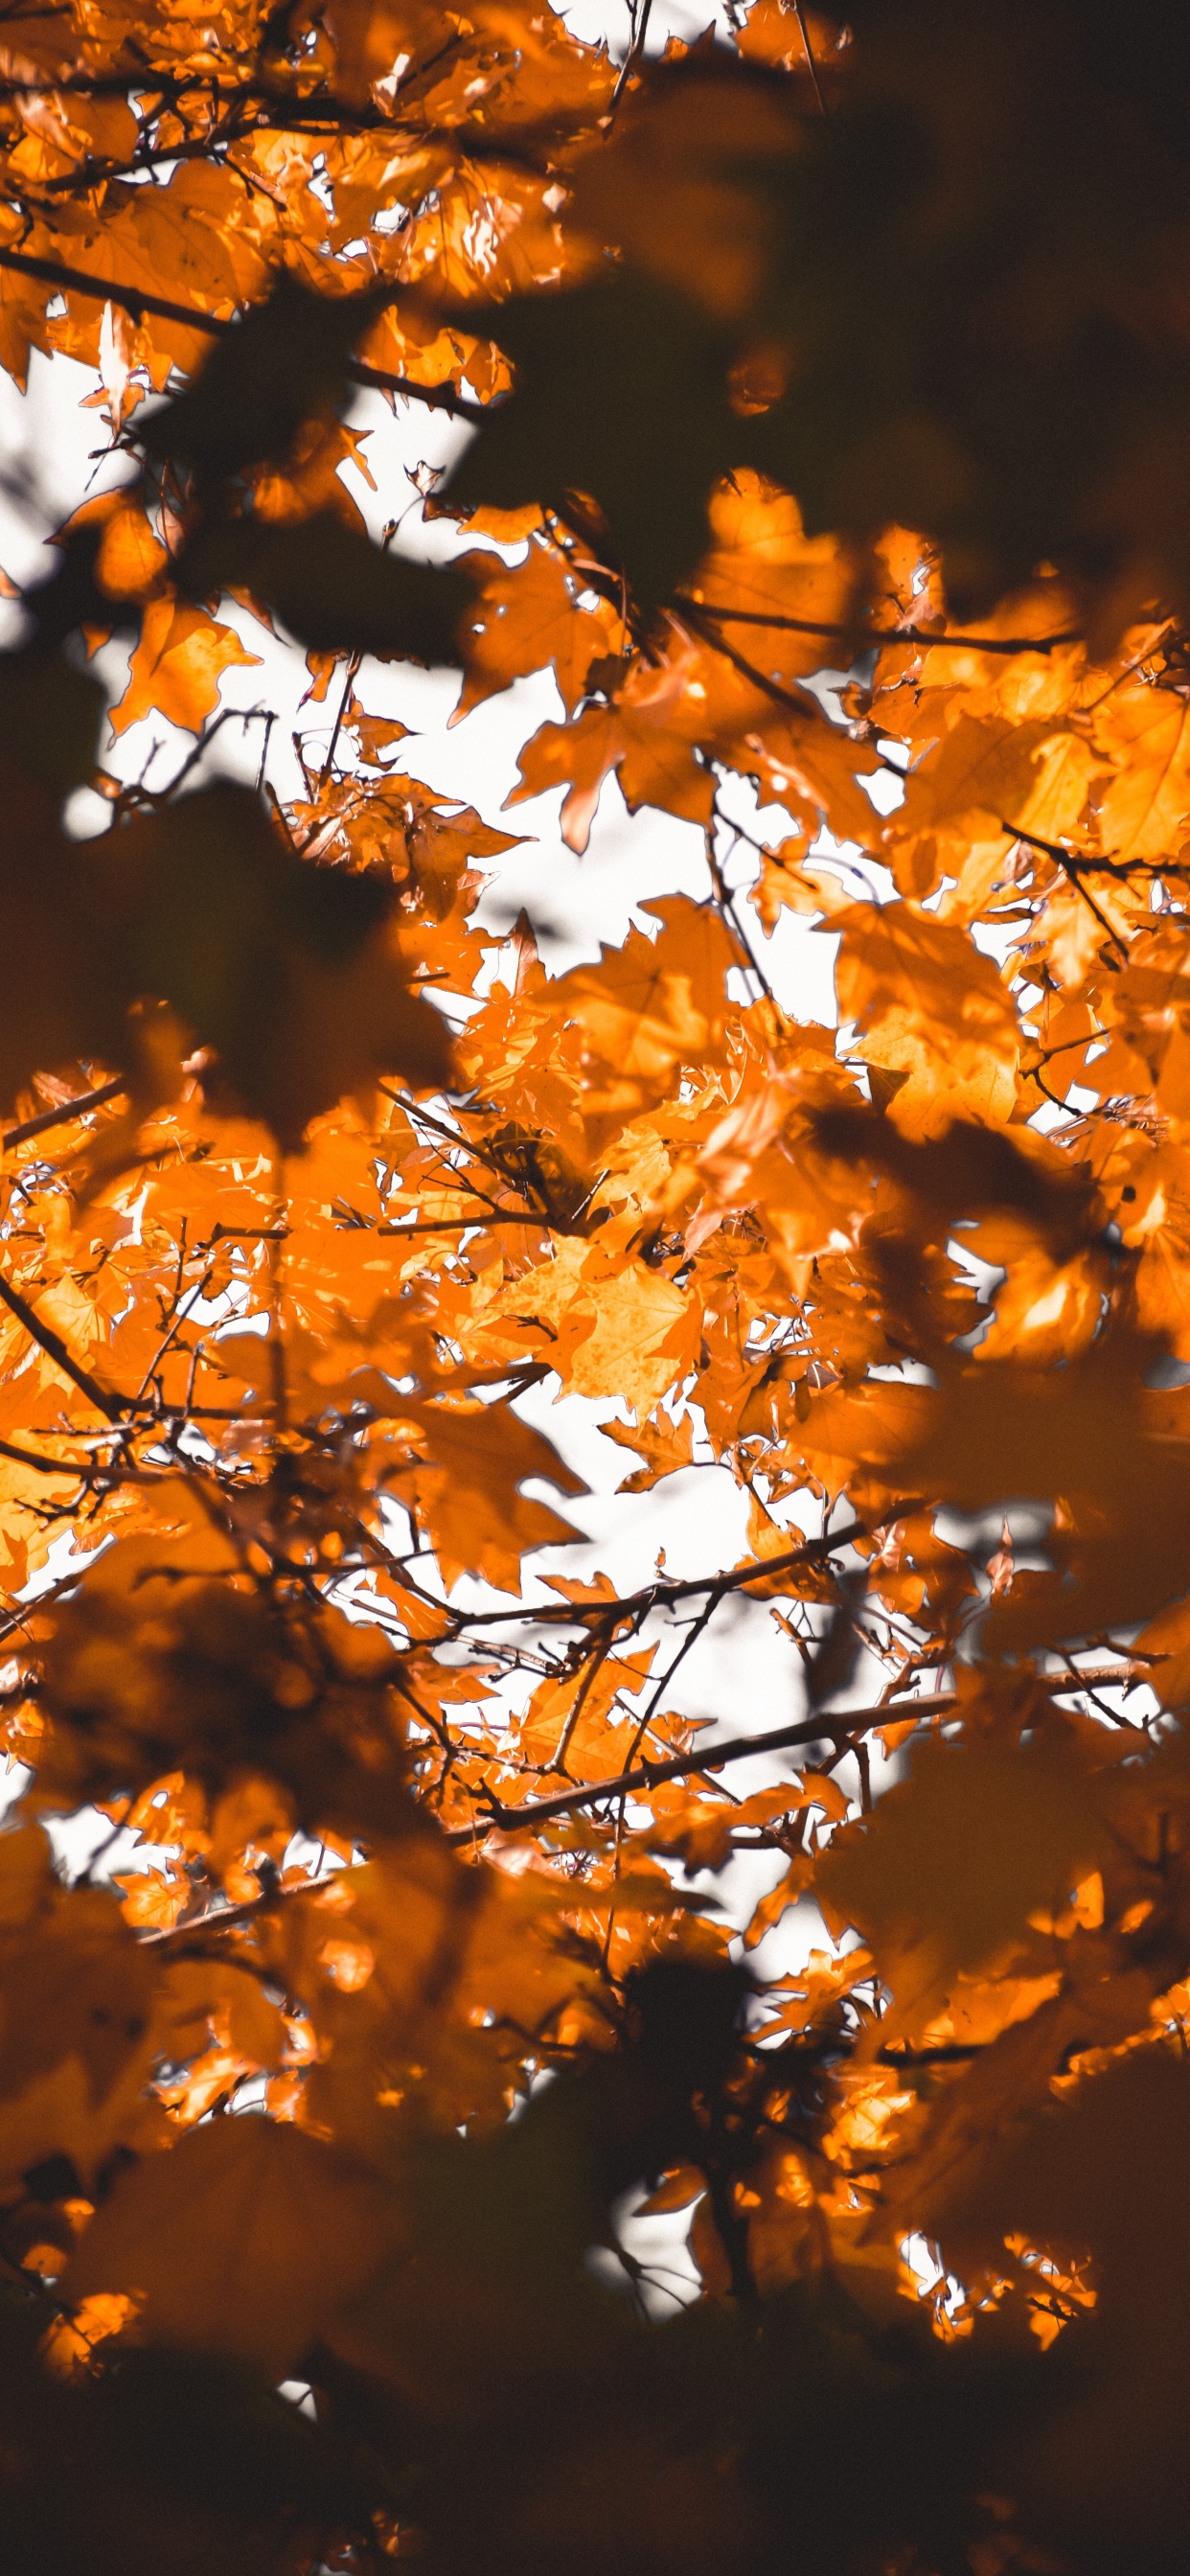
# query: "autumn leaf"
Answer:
x=1142 y=811
x=245 y=2238
x=468 y=1492
x=1077 y=2177
x=282 y=363
x=657 y=1002
x=977 y=771
x=165 y=1662
x=927 y=1006
x=527 y=615
x=762 y=563
x=614 y=1327
x=631 y=736
x=617 y=388
x=177 y=666
x=665 y=1447
x=329 y=586
x=202 y=907
x=941 y=1882
x=49 y=718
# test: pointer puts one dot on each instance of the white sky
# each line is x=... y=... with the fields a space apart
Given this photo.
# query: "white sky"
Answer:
x=610 y=19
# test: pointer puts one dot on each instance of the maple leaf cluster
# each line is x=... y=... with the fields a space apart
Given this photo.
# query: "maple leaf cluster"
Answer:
x=830 y=396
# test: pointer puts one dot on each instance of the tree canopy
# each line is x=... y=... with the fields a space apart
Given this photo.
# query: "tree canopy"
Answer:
x=829 y=390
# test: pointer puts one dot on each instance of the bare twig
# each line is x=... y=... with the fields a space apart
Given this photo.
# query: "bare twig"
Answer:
x=811 y=65
x=641 y=11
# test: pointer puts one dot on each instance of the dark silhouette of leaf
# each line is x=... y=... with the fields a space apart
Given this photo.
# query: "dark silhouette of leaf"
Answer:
x=288 y=970
x=284 y=360
x=620 y=401
x=50 y=715
x=330 y=587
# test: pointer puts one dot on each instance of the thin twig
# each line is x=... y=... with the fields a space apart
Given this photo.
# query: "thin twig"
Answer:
x=463 y=1224
x=803 y=704
x=1070 y=869
x=811 y=65
x=660 y=1594
x=182 y=1316
x=727 y=905
x=1137 y=662
x=697 y=1629
x=640 y=29
x=1121 y=869
x=352 y=674
x=879 y=634
x=586 y=1686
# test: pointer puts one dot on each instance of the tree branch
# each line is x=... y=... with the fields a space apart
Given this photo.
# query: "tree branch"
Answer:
x=646 y=1775
x=43 y=1466
x=841 y=1726
x=880 y=634
x=634 y=1606
x=136 y=301
x=1074 y=866
x=66 y=1110
x=55 y=1349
